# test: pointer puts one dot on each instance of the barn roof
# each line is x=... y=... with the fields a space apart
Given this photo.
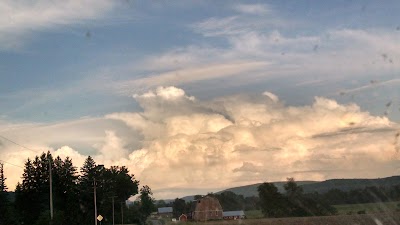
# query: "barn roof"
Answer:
x=165 y=210
x=233 y=213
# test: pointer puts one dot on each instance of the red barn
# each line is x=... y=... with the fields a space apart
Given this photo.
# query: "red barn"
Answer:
x=207 y=208
x=183 y=218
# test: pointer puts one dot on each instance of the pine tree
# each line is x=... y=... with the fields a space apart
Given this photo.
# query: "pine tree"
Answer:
x=3 y=197
x=65 y=190
x=88 y=172
x=3 y=187
x=33 y=199
x=26 y=201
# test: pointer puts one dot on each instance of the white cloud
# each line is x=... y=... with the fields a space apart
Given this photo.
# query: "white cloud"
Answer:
x=257 y=52
x=191 y=74
x=178 y=142
x=272 y=96
x=240 y=140
x=76 y=139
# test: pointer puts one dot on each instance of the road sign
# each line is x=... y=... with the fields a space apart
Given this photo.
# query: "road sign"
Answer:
x=99 y=218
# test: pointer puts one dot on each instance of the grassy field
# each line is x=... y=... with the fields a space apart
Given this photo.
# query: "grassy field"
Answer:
x=386 y=213
x=254 y=214
x=348 y=209
x=367 y=208
x=364 y=219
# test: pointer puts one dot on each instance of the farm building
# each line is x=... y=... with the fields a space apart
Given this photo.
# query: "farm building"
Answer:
x=183 y=218
x=233 y=215
x=165 y=212
x=207 y=208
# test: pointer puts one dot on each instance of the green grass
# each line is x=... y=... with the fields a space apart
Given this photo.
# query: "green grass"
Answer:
x=254 y=214
x=255 y=217
x=367 y=208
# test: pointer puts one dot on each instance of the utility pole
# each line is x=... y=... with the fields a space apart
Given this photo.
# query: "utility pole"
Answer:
x=95 y=204
x=122 y=213
x=113 y=209
x=51 y=193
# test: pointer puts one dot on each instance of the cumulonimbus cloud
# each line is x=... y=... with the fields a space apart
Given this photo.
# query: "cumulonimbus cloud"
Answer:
x=177 y=142
x=243 y=139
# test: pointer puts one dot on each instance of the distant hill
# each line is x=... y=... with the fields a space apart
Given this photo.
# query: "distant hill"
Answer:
x=350 y=184
x=322 y=186
x=315 y=186
x=251 y=190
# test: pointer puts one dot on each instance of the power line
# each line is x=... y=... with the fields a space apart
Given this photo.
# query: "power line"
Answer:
x=9 y=140
x=50 y=175
x=11 y=164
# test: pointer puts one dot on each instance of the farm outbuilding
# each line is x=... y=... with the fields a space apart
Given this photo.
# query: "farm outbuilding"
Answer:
x=233 y=215
x=183 y=218
x=165 y=212
x=207 y=208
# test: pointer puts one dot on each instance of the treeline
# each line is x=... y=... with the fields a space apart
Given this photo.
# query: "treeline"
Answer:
x=363 y=195
x=73 y=194
x=272 y=203
x=292 y=203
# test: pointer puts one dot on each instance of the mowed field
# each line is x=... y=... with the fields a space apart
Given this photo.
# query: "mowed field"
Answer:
x=389 y=218
x=348 y=209
x=368 y=208
x=386 y=213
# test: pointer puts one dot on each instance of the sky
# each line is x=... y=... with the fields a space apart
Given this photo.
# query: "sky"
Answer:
x=198 y=96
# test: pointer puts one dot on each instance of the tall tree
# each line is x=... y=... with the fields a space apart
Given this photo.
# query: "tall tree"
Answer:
x=65 y=190
x=111 y=183
x=32 y=196
x=3 y=187
x=86 y=188
x=178 y=207
x=231 y=201
x=272 y=202
x=292 y=189
x=4 y=203
x=302 y=205
x=146 y=203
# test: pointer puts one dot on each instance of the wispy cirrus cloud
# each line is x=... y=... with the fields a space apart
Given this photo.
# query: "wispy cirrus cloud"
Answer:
x=18 y=19
x=256 y=48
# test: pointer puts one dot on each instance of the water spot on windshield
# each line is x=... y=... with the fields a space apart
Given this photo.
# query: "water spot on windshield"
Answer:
x=88 y=34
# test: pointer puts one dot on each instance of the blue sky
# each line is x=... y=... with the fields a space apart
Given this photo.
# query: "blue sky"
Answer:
x=73 y=65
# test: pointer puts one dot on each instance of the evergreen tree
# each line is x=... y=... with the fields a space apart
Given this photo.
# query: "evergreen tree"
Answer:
x=4 y=203
x=65 y=190
x=33 y=194
x=27 y=194
x=3 y=187
x=86 y=180
x=114 y=182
